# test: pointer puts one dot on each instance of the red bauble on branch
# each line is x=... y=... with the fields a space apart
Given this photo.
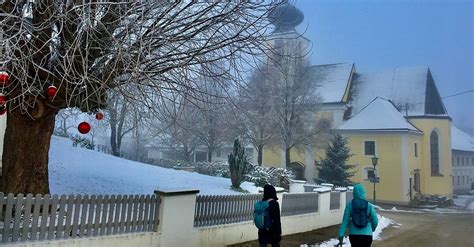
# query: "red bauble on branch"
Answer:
x=3 y=100
x=51 y=91
x=4 y=78
x=99 y=116
x=84 y=127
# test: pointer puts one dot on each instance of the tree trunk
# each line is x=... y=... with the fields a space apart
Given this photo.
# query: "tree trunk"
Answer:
x=209 y=155
x=287 y=157
x=187 y=153
x=26 y=152
x=113 y=141
x=260 y=154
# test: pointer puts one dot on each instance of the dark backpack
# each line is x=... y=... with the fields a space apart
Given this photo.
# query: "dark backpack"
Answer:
x=359 y=213
x=261 y=216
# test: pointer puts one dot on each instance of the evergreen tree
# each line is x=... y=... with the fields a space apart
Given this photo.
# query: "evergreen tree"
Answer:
x=333 y=169
x=238 y=164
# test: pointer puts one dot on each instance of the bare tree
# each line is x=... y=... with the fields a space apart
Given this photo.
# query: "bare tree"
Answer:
x=64 y=121
x=295 y=98
x=212 y=126
x=178 y=122
x=88 y=48
x=120 y=114
x=254 y=110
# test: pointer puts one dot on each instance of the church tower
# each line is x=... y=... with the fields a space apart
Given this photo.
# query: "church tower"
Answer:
x=286 y=18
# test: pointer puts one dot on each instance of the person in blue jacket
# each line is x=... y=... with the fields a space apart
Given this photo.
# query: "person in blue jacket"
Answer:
x=360 y=217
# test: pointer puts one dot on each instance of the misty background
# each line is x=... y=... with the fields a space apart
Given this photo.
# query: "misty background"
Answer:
x=383 y=35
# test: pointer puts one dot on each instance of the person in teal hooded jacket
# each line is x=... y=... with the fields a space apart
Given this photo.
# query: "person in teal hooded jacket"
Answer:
x=358 y=235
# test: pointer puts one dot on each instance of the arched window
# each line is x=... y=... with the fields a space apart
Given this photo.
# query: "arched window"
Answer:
x=434 y=151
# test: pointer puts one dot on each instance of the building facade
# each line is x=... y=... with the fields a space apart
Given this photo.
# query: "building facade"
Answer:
x=463 y=161
x=396 y=115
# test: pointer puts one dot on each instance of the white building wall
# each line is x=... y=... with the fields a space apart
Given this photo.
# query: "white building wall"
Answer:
x=463 y=171
x=176 y=217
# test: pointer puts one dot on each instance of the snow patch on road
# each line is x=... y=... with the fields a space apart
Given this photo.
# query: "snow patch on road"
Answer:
x=464 y=201
x=384 y=222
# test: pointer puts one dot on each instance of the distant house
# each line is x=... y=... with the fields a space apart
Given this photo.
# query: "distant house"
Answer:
x=396 y=115
x=220 y=154
x=463 y=160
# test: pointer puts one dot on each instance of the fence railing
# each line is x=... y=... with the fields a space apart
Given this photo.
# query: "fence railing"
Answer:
x=349 y=196
x=335 y=201
x=299 y=203
x=224 y=209
x=46 y=217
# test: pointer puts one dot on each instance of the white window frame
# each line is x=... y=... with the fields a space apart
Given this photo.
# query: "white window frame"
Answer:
x=365 y=172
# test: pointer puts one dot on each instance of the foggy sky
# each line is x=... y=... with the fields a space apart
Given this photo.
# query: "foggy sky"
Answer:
x=380 y=35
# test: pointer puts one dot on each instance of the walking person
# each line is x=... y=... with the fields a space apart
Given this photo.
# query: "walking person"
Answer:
x=361 y=218
x=267 y=218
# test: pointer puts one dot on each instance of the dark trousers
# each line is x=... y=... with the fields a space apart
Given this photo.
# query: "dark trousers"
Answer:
x=360 y=240
x=273 y=245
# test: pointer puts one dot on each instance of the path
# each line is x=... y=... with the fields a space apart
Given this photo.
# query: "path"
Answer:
x=417 y=229
x=296 y=240
x=429 y=229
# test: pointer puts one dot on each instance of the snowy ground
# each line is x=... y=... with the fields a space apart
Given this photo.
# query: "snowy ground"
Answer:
x=383 y=223
x=75 y=170
x=464 y=201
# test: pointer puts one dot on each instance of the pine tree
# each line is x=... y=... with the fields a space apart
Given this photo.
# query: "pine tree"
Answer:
x=333 y=169
x=238 y=164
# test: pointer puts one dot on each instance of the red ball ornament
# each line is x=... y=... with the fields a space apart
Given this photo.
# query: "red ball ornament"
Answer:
x=4 y=78
x=3 y=100
x=84 y=127
x=51 y=91
x=99 y=116
x=3 y=110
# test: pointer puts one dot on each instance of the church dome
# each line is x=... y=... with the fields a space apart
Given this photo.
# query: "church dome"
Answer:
x=285 y=17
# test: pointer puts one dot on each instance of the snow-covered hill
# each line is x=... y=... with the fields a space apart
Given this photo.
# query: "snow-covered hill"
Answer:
x=80 y=171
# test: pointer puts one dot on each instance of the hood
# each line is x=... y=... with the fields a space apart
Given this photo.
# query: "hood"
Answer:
x=359 y=191
x=269 y=192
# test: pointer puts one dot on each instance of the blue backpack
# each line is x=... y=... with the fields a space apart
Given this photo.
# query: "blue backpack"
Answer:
x=261 y=217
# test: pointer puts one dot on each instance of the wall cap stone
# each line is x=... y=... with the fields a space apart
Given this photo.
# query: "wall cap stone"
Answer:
x=176 y=191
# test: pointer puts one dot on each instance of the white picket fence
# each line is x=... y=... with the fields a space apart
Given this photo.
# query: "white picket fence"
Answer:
x=224 y=209
x=46 y=217
x=212 y=210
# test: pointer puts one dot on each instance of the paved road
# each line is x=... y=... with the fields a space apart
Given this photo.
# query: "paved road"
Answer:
x=296 y=240
x=429 y=229
x=417 y=229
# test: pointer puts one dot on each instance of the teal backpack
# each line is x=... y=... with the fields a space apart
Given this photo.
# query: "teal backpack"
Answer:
x=261 y=217
x=359 y=214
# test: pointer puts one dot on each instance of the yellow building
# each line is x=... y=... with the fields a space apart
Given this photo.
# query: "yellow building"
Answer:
x=396 y=115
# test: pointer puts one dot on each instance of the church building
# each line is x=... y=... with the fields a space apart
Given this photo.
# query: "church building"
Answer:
x=396 y=116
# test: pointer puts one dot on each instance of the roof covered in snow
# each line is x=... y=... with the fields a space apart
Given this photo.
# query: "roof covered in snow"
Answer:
x=412 y=90
x=461 y=140
x=380 y=114
x=332 y=80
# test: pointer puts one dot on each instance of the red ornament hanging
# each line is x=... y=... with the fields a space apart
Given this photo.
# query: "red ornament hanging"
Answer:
x=4 y=78
x=51 y=91
x=3 y=100
x=3 y=110
x=84 y=127
x=99 y=116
